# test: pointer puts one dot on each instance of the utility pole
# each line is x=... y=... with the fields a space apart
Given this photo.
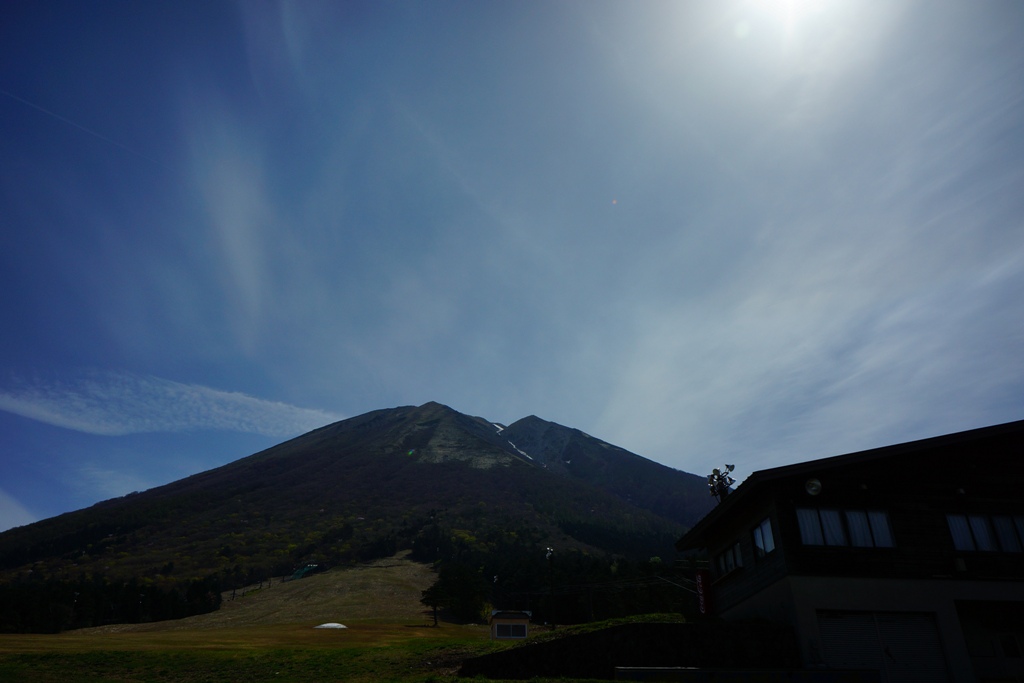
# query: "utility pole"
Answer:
x=551 y=583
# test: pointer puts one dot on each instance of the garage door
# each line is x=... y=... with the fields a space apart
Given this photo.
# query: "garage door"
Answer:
x=901 y=646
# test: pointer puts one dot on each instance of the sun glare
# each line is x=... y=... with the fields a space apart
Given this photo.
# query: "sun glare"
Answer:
x=789 y=17
x=789 y=12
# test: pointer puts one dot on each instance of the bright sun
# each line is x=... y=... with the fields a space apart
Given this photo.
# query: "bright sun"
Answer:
x=789 y=11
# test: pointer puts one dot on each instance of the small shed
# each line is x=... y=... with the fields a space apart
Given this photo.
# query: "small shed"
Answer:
x=507 y=624
x=305 y=570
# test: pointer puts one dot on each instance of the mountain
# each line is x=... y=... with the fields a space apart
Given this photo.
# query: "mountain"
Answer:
x=571 y=453
x=426 y=478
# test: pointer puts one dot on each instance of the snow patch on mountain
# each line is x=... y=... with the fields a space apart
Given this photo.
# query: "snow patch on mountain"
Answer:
x=520 y=452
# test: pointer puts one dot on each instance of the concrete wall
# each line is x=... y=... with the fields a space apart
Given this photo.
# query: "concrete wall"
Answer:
x=796 y=601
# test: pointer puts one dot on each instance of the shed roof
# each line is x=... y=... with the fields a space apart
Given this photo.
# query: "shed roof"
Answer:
x=510 y=614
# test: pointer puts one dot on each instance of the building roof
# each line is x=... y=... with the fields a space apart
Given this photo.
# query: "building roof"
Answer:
x=510 y=614
x=696 y=537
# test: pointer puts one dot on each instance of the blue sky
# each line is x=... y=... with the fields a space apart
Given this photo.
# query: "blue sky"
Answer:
x=744 y=231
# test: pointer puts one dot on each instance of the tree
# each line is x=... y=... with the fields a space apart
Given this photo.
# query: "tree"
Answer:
x=459 y=589
x=435 y=597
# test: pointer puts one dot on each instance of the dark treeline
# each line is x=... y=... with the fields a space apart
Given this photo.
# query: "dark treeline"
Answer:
x=486 y=558
x=510 y=568
x=15 y=554
x=54 y=605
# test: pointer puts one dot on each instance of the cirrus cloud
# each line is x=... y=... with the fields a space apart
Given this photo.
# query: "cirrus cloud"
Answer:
x=115 y=404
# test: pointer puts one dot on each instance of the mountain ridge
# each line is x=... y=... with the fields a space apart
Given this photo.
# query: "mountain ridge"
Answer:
x=406 y=477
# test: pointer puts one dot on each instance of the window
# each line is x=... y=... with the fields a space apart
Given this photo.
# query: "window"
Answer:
x=881 y=533
x=821 y=527
x=857 y=528
x=730 y=560
x=810 y=527
x=987 y=534
x=832 y=525
x=1009 y=541
x=764 y=541
x=860 y=531
x=960 y=531
x=868 y=529
x=981 y=529
x=510 y=630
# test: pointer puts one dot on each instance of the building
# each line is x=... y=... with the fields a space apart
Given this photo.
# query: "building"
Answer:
x=507 y=624
x=907 y=559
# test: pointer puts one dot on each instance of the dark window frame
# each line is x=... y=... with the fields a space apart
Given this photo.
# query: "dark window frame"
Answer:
x=986 y=533
x=845 y=528
x=764 y=539
x=729 y=560
x=510 y=630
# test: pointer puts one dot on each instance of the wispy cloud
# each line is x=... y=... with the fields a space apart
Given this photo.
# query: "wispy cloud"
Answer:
x=228 y=168
x=121 y=403
x=853 y=342
x=13 y=513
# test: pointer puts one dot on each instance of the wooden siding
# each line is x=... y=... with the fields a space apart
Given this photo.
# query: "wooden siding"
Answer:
x=756 y=573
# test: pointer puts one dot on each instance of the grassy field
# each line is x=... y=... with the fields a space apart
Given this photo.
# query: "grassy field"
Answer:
x=362 y=652
x=268 y=635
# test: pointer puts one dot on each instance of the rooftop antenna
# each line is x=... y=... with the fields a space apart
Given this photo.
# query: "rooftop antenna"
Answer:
x=719 y=482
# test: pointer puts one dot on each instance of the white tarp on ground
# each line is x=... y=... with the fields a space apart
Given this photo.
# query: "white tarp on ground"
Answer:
x=332 y=624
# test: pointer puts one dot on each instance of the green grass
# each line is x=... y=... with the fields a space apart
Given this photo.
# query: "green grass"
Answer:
x=362 y=652
x=269 y=636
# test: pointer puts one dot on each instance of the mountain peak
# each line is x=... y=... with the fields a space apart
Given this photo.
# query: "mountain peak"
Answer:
x=370 y=484
x=435 y=407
